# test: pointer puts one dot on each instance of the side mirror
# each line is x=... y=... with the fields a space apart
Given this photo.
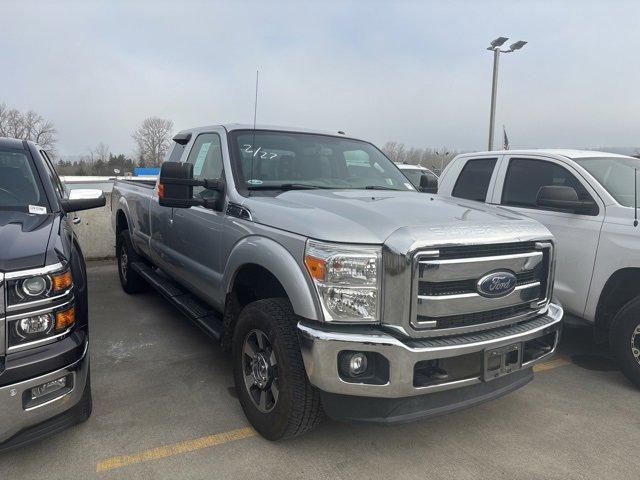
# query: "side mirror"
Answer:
x=83 y=199
x=563 y=198
x=428 y=183
x=175 y=187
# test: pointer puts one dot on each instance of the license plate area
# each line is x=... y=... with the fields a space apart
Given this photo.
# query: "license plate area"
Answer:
x=502 y=361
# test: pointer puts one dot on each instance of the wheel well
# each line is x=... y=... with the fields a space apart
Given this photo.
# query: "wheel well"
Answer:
x=621 y=287
x=121 y=222
x=252 y=282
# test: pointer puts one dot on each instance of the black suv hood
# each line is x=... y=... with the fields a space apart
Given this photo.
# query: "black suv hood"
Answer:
x=23 y=240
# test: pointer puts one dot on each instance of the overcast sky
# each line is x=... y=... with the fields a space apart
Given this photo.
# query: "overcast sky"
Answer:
x=412 y=72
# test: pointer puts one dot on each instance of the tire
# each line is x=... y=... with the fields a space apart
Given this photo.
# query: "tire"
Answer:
x=625 y=339
x=297 y=408
x=129 y=279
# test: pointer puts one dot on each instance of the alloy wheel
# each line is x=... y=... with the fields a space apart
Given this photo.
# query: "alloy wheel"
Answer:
x=635 y=343
x=124 y=261
x=260 y=370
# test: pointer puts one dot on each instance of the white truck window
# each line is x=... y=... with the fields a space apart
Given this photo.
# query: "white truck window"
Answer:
x=526 y=176
x=474 y=179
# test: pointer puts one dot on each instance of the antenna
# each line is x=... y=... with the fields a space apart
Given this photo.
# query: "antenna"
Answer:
x=635 y=197
x=255 y=115
x=255 y=104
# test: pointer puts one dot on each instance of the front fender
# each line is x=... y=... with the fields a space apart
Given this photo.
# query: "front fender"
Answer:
x=276 y=259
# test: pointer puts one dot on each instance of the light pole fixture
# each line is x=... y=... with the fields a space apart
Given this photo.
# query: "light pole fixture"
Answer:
x=495 y=48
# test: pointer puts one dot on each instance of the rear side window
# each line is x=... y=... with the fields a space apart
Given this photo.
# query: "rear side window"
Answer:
x=474 y=179
x=526 y=176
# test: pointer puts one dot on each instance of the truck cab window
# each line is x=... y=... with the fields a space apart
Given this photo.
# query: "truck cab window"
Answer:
x=474 y=179
x=206 y=157
x=525 y=177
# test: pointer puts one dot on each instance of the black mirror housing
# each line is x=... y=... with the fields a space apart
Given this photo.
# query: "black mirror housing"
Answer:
x=428 y=183
x=175 y=187
x=78 y=204
x=563 y=198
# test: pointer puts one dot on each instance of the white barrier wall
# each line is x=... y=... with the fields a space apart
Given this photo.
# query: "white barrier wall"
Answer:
x=94 y=231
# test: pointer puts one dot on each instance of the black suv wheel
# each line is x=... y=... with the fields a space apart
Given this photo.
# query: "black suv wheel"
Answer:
x=269 y=373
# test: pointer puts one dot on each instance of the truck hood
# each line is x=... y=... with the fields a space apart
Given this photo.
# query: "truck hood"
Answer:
x=361 y=216
x=23 y=240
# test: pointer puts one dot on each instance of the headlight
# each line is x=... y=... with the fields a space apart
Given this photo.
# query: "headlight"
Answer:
x=347 y=279
x=39 y=327
x=38 y=287
x=35 y=286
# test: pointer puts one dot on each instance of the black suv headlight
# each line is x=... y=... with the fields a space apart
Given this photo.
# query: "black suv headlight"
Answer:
x=40 y=306
x=38 y=287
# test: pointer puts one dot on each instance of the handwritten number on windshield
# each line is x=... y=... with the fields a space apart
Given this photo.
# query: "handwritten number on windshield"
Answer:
x=263 y=154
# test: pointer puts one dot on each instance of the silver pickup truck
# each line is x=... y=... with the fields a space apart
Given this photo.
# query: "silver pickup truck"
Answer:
x=337 y=287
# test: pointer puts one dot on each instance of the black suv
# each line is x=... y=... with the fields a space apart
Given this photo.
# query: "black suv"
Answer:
x=44 y=336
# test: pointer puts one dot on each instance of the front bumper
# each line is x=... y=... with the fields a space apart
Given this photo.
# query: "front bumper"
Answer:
x=16 y=415
x=322 y=344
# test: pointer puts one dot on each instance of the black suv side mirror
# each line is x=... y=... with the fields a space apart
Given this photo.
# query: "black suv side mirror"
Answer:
x=428 y=183
x=175 y=187
x=83 y=199
x=563 y=198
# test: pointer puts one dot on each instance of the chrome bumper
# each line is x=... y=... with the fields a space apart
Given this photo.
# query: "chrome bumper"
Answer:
x=14 y=417
x=320 y=346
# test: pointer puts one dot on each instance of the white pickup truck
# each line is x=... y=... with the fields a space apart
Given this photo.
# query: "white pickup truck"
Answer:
x=589 y=202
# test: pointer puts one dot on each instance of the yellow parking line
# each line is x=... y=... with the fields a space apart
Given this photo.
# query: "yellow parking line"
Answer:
x=551 y=364
x=175 y=449
x=233 y=435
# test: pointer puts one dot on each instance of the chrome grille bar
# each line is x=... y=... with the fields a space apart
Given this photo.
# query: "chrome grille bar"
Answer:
x=445 y=305
x=445 y=299
x=467 y=268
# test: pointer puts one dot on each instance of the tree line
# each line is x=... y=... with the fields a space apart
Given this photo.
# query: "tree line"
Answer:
x=432 y=158
x=153 y=139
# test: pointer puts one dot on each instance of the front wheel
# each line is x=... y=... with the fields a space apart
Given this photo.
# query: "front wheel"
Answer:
x=625 y=339
x=129 y=279
x=269 y=373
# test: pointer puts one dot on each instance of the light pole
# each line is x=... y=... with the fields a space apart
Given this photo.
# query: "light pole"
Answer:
x=495 y=47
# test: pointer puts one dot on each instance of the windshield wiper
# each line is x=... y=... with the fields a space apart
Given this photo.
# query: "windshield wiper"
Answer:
x=379 y=187
x=289 y=186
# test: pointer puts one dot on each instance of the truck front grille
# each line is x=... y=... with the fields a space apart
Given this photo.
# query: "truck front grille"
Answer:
x=447 y=300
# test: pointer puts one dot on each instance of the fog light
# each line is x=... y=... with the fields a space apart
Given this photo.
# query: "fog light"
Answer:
x=34 y=286
x=47 y=388
x=357 y=364
x=33 y=325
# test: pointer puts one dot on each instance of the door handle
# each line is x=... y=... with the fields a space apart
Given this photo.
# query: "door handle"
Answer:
x=76 y=220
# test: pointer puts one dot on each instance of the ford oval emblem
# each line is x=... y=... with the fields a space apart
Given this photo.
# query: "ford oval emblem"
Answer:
x=497 y=284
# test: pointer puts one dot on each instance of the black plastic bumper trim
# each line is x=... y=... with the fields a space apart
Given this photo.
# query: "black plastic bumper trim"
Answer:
x=398 y=410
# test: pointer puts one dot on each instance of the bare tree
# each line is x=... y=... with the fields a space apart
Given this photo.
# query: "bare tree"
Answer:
x=27 y=126
x=435 y=159
x=153 y=139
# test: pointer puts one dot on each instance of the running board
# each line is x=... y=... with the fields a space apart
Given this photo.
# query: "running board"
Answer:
x=195 y=309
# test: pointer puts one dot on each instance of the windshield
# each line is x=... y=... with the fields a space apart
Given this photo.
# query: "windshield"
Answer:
x=20 y=188
x=615 y=174
x=286 y=161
